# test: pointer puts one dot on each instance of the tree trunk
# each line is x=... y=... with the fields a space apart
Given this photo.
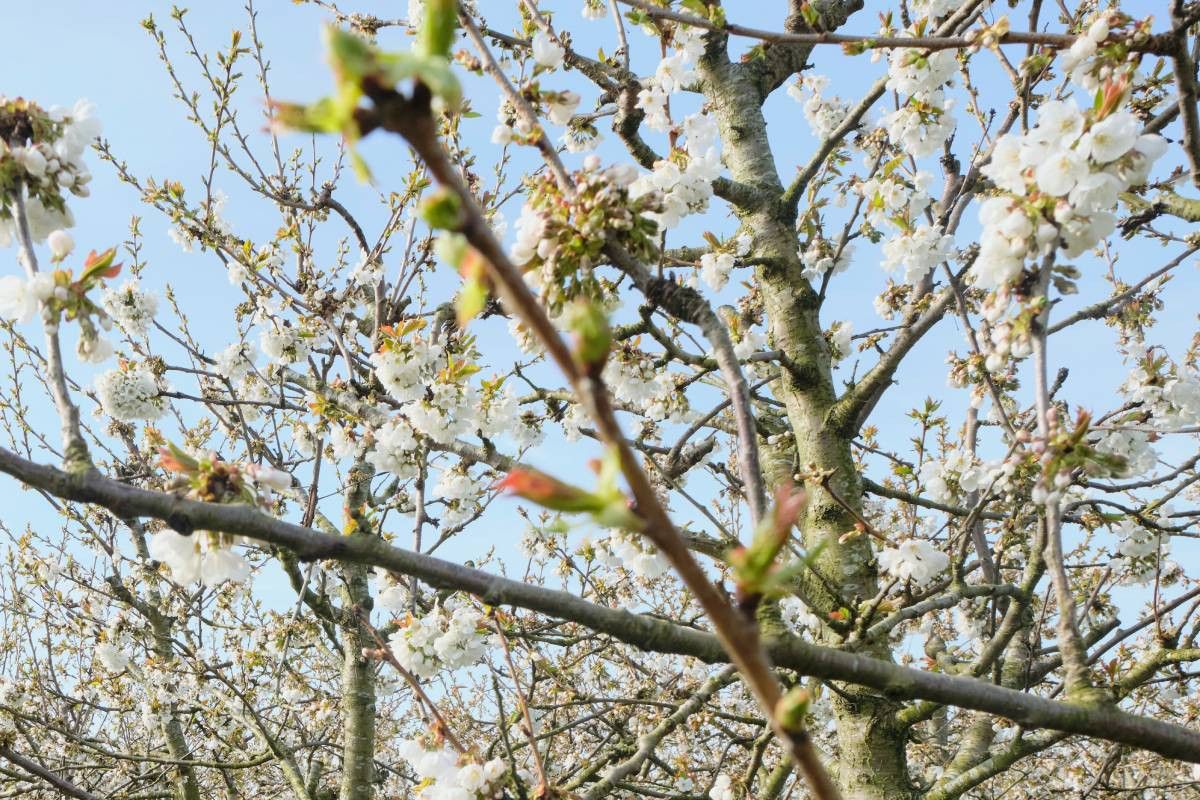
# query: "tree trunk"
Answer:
x=358 y=672
x=871 y=762
x=358 y=693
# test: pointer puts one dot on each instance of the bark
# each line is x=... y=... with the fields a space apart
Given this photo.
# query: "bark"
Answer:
x=871 y=761
x=358 y=695
x=358 y=672
x=647 y=633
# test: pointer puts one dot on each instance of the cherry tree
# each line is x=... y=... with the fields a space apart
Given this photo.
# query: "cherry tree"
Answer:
x=607 y=500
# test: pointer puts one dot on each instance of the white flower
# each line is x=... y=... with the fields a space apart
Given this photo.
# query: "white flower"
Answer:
x=1081 y=50
x=1110 y=138
x=918 y=251
x=268 y=477
x=1059 y=123
x=722 y=788
x=221 y=564
x=1095 y=192
x=130 y=394
x=43 y=287
x=839 y=340
x=1060 y=171
x=715 y=269
x=61 y=244
x=178 y=552
x=93 y=349
x=201 y=556
x=17 y=302
x=562 y=107
x=547 y=52
x=797 y=616
x=393 y=598
x=1006 y=168
x=283 y=345
x=84 y=127
x=111 y=657
x=914 y=560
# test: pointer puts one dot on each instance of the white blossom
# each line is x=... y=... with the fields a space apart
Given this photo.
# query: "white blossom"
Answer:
x=547 y=52
x=131 y=308
x=915 y=560
x=130 y=394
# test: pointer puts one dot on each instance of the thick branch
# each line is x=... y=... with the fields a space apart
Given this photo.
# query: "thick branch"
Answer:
x=649 y=634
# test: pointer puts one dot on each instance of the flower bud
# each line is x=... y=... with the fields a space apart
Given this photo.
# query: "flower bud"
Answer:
x=61 y=245
x=792 y=709
x=442 y=209
x=593 y=337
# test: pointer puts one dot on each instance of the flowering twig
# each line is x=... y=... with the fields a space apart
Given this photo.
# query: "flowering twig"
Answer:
x=689 y=306
x=1059 y=41
x=75 y=452
x=383 y=651
x=543 y=787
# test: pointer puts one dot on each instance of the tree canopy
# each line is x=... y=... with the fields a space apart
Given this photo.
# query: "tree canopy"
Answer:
x=852 y=455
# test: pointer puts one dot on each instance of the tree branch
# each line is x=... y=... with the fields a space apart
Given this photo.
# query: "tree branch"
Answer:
x=644 y=632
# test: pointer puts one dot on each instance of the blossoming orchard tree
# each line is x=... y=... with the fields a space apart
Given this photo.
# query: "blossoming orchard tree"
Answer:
x=352 y=550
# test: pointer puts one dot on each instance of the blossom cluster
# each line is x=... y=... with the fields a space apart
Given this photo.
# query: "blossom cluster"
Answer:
x=917 y=251
x=922 y=123
x=914 y=560
x=683 y=181
x=823 y=256
x=824 y=115
x=636 y=381
x=900 y=200
x=559 y=239
x=1060 y=182
x=284 y=344
x=130 y=392
x=716 y=266
x=424 y=645
x=1141 y=553
x=960 y=469
x=41 y=154
x=131 y=308
x=672 y=74
x=633 y=552
x=1170 y=393
x=446 y=775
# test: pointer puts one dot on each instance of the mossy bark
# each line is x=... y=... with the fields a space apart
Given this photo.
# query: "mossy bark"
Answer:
x=871 y=761
x=358 y=671
x=358 y=694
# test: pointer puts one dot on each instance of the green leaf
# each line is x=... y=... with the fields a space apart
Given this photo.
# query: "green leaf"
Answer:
x=433 y=71
x=351 y=57
x=437 y=27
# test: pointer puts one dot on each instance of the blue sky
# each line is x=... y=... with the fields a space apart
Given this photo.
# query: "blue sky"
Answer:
x=100 y=51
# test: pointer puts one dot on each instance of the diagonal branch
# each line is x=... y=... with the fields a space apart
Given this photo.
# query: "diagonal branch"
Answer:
x=646 y=633
x=57 y=781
